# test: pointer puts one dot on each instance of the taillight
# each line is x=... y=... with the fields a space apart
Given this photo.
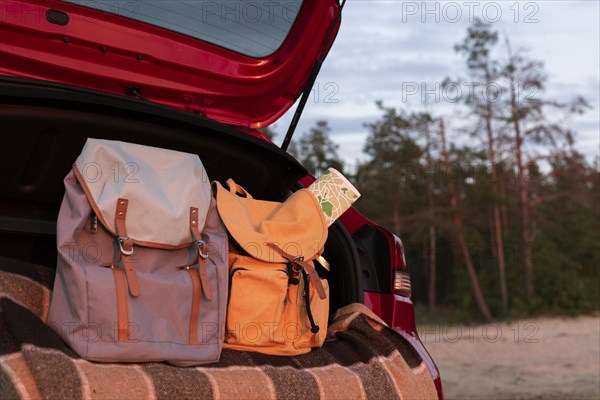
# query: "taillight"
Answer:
x=402 y=283
x=401 y=277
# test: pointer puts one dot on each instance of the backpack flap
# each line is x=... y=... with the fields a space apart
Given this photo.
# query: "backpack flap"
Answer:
x=296 y=226
x=160 y=187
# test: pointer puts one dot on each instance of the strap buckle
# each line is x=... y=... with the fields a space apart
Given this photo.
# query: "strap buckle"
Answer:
x=201 y=244
x=121 y=240
x=294 y=264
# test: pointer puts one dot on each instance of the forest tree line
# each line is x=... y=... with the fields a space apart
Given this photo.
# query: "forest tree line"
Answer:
x=499 y=218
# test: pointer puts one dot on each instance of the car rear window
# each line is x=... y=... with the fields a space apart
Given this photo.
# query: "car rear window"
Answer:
x=254 y=28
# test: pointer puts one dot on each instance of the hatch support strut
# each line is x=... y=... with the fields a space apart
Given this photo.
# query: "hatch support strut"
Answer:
x=300 y=108
x=311 y=81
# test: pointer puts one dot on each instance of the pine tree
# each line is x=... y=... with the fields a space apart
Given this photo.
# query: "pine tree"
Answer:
x=316 y=151
x=477 y=48
x=527 y=116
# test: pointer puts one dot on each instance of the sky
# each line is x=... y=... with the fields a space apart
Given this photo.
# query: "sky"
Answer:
x=399 y=52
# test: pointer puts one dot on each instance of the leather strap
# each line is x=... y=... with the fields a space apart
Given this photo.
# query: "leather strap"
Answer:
x=194 y=224
x=121 y=228
x=202 y=253
x=126 y=246
x=122 y=309
x=308 y=267
x=195 y=305
x=204 y=279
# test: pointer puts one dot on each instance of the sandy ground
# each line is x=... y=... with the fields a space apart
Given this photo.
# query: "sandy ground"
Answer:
x=546 y=358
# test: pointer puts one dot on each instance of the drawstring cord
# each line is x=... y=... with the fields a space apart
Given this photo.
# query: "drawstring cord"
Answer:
x=314 y=328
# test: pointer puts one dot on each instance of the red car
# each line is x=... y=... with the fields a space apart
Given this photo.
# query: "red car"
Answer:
x=196 y=76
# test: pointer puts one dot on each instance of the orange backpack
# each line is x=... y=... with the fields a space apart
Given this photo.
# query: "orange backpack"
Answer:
x=278 y=304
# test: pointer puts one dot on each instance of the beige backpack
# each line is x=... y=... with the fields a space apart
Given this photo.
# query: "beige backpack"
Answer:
x=142 y=267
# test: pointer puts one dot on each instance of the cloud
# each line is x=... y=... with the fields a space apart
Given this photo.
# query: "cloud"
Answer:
x=382 y=47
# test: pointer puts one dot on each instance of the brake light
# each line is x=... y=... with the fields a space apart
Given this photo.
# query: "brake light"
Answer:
x=401 y=277
x=402 y=283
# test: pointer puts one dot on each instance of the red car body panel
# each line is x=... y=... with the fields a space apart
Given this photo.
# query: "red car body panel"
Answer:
x=109 y=53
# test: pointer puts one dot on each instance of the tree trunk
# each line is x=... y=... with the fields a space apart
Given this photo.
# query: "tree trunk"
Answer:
x=503 y=195
x=501 y=260
x=526 y=242
x=493 y=248
x=457 y=222
x=432 y=271
x=396 y=218
x=432 y=231
x=499 y=242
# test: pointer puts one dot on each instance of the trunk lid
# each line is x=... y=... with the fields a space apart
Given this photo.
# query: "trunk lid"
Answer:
x=239 y=63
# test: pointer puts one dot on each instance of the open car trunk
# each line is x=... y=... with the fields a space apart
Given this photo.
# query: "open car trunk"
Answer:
x=45 y=125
